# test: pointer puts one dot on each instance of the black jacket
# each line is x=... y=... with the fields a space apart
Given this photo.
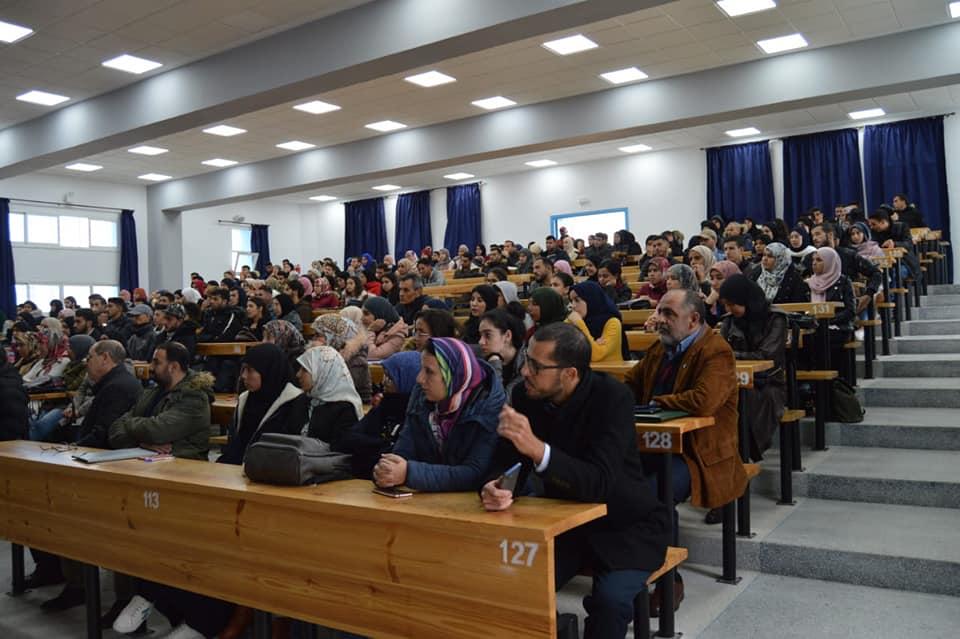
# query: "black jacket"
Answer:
x=911 y=217
x=331 y=420
x=13 y=403
x=287 y=416
x=842 y=291
x=792 y=287
x=186 y=335
x=119 y=329
x=409 y=311
x=900 y=234
x=141 y=343
x=594 y=458
x=855 y=267
x=221 y=325
x=113 y=395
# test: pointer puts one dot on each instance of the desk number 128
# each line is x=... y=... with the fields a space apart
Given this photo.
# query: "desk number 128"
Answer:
x=518 y=553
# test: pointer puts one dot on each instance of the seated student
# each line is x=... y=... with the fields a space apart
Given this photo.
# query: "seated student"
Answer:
x=542 y=273
x=590 y=269
x=53 y=356
x=115 y=391
x=574 y=429
x=223 y=321
x=270 y=403
x=450 y=431
x=691 y=369
x=546 y=307
x=179 y=328
x=323 y=294
x=386 y=330
x=46 y=423
x=27 y=346
x=562 y=283
x=252 y=330
x=173 y=416
x=334 y=404
x=733 y=250
x=287 y=337
x=509 y=300
x=859 y=239
x=85 y=323
x=143 y=339
x=778 y=278
x=701 y=260
x=14 y=399
x=501 y=342
x=344 y=336
x=432 y=322
x=852 y=264
x=718 y=273
x=656 y=284
x=353 y=292
x=681 y=276
x=754 y=330
x=411 y=298
x=285 y=309
x=118 y=326
x=829 y=284
x=800 y=246
x=597 y=317
x=608 y=276
x=483 y=298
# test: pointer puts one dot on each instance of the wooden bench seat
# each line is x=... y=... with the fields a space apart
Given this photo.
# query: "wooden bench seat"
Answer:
x=867 y=322
x=792 y=415
x=218 y=440
x=752 y=470
x=817 y=376
x=675 y=556
x=854 y=344
x=886 y=305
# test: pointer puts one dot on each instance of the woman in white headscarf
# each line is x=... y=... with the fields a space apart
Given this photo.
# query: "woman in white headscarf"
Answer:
x=778 y=278
x=334 y=403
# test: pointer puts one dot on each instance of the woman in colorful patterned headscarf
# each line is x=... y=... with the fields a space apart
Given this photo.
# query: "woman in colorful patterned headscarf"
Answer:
x=343 y=335
x=450 y=432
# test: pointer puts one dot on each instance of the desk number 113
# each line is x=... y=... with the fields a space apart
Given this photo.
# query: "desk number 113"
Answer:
x=151 y=500
x=518 y=553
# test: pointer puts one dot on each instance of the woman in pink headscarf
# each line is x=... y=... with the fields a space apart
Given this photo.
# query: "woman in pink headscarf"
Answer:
x=563 y=266
x=829 y=284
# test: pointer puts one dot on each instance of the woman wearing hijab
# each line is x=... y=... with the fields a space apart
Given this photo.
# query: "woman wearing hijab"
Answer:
x=570 y=249
x=562 y=266
x=26 y=344
x=757 y=331
x=777 y=277
x=323 y=295
x=400 y=372
x=450 y=433
x=345 y=337
x=656 y=286
x=546 y=307
x=509 y=299
x=800 y=246
x=858 y=235
x=524 y=262
x=192 y=295
x=483 y=298
x=386 y=330
x=335 y=404
x=444 y=263
x=53 y=352
x=701 y=260
x=597 y=317
x=284 y=309
x=718 y=273
x=287 y=337
x=828 y=284
x=626 y=242
x=73 y=375
x=681 y=276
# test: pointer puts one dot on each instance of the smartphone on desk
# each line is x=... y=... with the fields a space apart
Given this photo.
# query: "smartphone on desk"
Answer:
x=396 y=493
x=508 y=480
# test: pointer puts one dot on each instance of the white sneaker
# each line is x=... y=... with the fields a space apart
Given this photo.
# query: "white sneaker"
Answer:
x=133 y=615
x=183 y=631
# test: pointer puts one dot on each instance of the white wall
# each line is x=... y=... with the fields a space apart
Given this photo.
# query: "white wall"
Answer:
x=951 y=142
x=57 y=265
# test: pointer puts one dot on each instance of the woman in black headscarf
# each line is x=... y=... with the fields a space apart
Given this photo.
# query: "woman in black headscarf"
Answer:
x=483 y=298
x=285 y=309
x=756 y=330
x=271 y=403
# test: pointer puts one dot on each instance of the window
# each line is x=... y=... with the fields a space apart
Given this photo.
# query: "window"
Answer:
x=77 y=292
x=240 y=248
x=17 y=230
x=22 y=294
x=68 y=231
x=582 y=225
x=103 y=233
x=106 y=291
x=42 y=229
x=74 y=232
x=42 y=294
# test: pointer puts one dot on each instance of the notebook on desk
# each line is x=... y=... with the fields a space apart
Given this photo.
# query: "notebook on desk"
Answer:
x=113 y=455
x=662 y=416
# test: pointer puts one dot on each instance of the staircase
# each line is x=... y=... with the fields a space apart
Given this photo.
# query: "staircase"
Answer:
x=879 y=509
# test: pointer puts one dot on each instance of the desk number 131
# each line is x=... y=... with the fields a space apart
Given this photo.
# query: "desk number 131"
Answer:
x=518 y=553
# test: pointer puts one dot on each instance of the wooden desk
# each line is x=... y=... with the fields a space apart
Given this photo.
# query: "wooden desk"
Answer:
x=141 y=370
x=667 y=437
x=817 y=310
x=376 y=373
x=641 y=341
x=222 y=409
x=51 y=396
x=317 y=312
x=617 y=369
x=747 y=368
x=221 y=349
x=637 y=317
x=431 y=565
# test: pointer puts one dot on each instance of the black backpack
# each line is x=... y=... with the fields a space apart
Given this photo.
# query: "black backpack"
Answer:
x=844 y=405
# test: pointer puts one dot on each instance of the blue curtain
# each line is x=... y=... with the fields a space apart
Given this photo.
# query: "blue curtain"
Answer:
x=463 y=217
x=821 y=169
x=366 y=229
x=8 y=281
x=129 y=265
x=260 y=244
x=907 y=157
x=740 y=182
x=413 y=223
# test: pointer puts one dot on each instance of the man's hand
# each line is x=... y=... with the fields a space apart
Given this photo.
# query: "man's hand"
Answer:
x=390 y=471
x=495 y=499
x=516 y=427
x=862 y=302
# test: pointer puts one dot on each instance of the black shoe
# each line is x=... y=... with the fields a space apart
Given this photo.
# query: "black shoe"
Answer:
x=40 y=579
x=714 y=516
x=69 y=597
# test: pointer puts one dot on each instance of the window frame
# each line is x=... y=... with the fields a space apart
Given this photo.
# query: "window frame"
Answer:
x=556 y=221
x=105 y=217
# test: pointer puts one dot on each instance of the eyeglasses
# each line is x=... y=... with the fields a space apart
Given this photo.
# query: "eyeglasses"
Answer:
x=536 y=367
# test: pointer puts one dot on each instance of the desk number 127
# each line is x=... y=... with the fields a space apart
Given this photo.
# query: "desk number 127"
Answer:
x=518 y=553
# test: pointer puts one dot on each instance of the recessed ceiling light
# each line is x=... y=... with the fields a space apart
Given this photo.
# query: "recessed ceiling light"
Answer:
x=496 y=102
x=430 y=79
x=459 y=176
x=317 y=107
x=571 y=44
x=219 y=162
x=783 y=43
x=323 y=198
x=83 y=166
x=296 y=145
x=131 y=64
x=10 y=32
x=224 y=130
x=540 y=163
x=386 y=125
x=955 y=9
x=42 y=97
x=742 y=133
x=866 y=113
x=147 y=150
x=735 y=8
x=635 y=148
x=154 y=177
x=630 y=74
x=387 y=187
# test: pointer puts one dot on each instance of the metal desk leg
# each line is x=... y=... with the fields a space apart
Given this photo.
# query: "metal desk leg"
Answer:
x=666 y=583
x=19 y=579
x=262 y=625
x=91 y=587
x=729 y=545
x=786 y=463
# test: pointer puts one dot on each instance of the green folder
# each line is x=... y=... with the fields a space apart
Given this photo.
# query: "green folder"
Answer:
x=662 y=416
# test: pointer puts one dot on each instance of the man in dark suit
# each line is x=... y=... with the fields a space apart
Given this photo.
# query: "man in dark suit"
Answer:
x=573 y=431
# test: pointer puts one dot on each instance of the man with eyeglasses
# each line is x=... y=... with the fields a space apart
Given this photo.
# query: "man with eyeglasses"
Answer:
x=573 y=431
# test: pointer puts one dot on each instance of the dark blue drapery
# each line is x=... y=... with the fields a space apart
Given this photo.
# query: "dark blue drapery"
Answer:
x=463 y=217
x=8 y=281
x=740 y=182
x=907 y=157
x=129 y=264
x=413 y=223
x=260 y=244
x=366 y=229
x=821 y=169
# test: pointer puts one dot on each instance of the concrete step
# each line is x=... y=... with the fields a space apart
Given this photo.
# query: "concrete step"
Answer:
x=793 y=608
x=924 y=344
x=937 y=312
x=929 y=365
x=871 y=475
x=918 y=392
x=931 y=327
x=952 y=299
x=907 y=428
x=909 y=548
x=943 y=289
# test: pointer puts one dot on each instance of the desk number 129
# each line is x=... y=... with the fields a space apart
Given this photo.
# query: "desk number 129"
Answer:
x=518 y=553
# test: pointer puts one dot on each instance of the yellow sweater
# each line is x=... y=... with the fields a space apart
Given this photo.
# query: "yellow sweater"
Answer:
x=609 y=350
